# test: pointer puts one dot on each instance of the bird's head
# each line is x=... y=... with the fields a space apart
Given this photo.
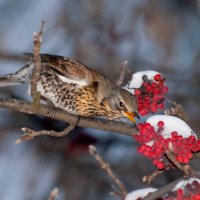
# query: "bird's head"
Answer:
x=124 y=103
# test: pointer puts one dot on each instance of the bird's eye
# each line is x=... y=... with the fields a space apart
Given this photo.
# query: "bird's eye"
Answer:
x=121 y=105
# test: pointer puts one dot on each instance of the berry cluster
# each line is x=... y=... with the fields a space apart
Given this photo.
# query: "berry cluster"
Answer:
x=151 y=95
x=191 y=191
x=154 y=145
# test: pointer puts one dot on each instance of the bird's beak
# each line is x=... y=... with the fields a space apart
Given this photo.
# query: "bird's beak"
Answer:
x=131 y=115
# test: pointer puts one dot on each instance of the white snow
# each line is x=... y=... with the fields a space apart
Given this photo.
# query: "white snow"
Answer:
x=171 y=124
x=137 y=81
x=141 y=193
x=182 y=184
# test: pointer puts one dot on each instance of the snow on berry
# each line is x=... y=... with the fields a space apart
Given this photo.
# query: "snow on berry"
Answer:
x=140 y=193
x=137 y=80
x=185 y=190
x=171 y=124
x=150 y=90
x=160 y=132
x=183 y=183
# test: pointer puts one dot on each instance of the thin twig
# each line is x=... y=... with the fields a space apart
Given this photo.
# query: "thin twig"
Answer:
x=37 y=40
x=123 y=71
x=196 y=155
x=54 y=194
x=176 y=110
x=106 y=167
x=30 y=134
x=187 y=169
x=147 y=179
x=167 y=188
x=161 y=191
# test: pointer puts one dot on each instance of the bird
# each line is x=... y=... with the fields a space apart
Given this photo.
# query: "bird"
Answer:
x=72 y=86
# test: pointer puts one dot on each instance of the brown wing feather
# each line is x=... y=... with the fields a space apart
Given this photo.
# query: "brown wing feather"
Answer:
x=68 y=67
x=75 y=70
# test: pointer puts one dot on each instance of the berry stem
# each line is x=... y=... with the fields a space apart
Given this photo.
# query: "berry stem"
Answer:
x=147 y=179
x=187 y=169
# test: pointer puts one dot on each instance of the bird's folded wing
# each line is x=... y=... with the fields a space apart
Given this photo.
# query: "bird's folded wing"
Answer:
x=68 y=70
x=72 y=71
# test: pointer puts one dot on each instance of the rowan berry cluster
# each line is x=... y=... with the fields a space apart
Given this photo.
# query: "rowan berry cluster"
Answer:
x=191 y=191
x=151 y=95
x=154 y=145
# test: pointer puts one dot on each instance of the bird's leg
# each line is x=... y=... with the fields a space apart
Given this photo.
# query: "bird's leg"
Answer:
x=52 y=108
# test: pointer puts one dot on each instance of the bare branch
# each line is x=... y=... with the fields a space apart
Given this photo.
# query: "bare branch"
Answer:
x=37 y=39
x=176 y=110
x=187 y=169
x=123 y=71
x=147 y=179
x=101 y=124
x=106 y=167
x=196 y=155
x=54 y=194
x=30 y=134
x=166 y=189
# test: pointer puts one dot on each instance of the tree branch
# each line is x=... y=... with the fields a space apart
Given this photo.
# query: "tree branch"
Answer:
x=121 y=191
x=101 y=124
x=54 y=194
x=123 y=71
x=148 y=178
x=187 y=169
x=30 y=134
x=37 y=40
x=166 y=189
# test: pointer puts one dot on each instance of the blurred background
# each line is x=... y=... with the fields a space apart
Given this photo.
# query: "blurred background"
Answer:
x=163 y=35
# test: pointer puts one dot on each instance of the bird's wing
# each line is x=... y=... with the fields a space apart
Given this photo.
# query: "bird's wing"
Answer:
x=67 y=69
x=72 y=71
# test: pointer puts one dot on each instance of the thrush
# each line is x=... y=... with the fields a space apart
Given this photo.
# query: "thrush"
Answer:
x=72 y=86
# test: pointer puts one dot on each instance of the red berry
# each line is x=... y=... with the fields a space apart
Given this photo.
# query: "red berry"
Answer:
x=180 y=137
x=179 y=159
x=154 y=108
x=156 y=91
x=160 y=124
x=165 y=89
x=143 y=112
x=140 y=125
x=145 y=84
x=161 y=106
x=157 y=77
x=160 y=165
x=174 y=134
x=180 y=194
x=143 y=131
x=154 y=85
x=146 y=104
x=148 y=89
x=140 y=149
x=185 y=160
x=137 y=92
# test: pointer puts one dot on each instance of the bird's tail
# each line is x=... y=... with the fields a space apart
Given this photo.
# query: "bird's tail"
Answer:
x=19 y=77
x=6 y=81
